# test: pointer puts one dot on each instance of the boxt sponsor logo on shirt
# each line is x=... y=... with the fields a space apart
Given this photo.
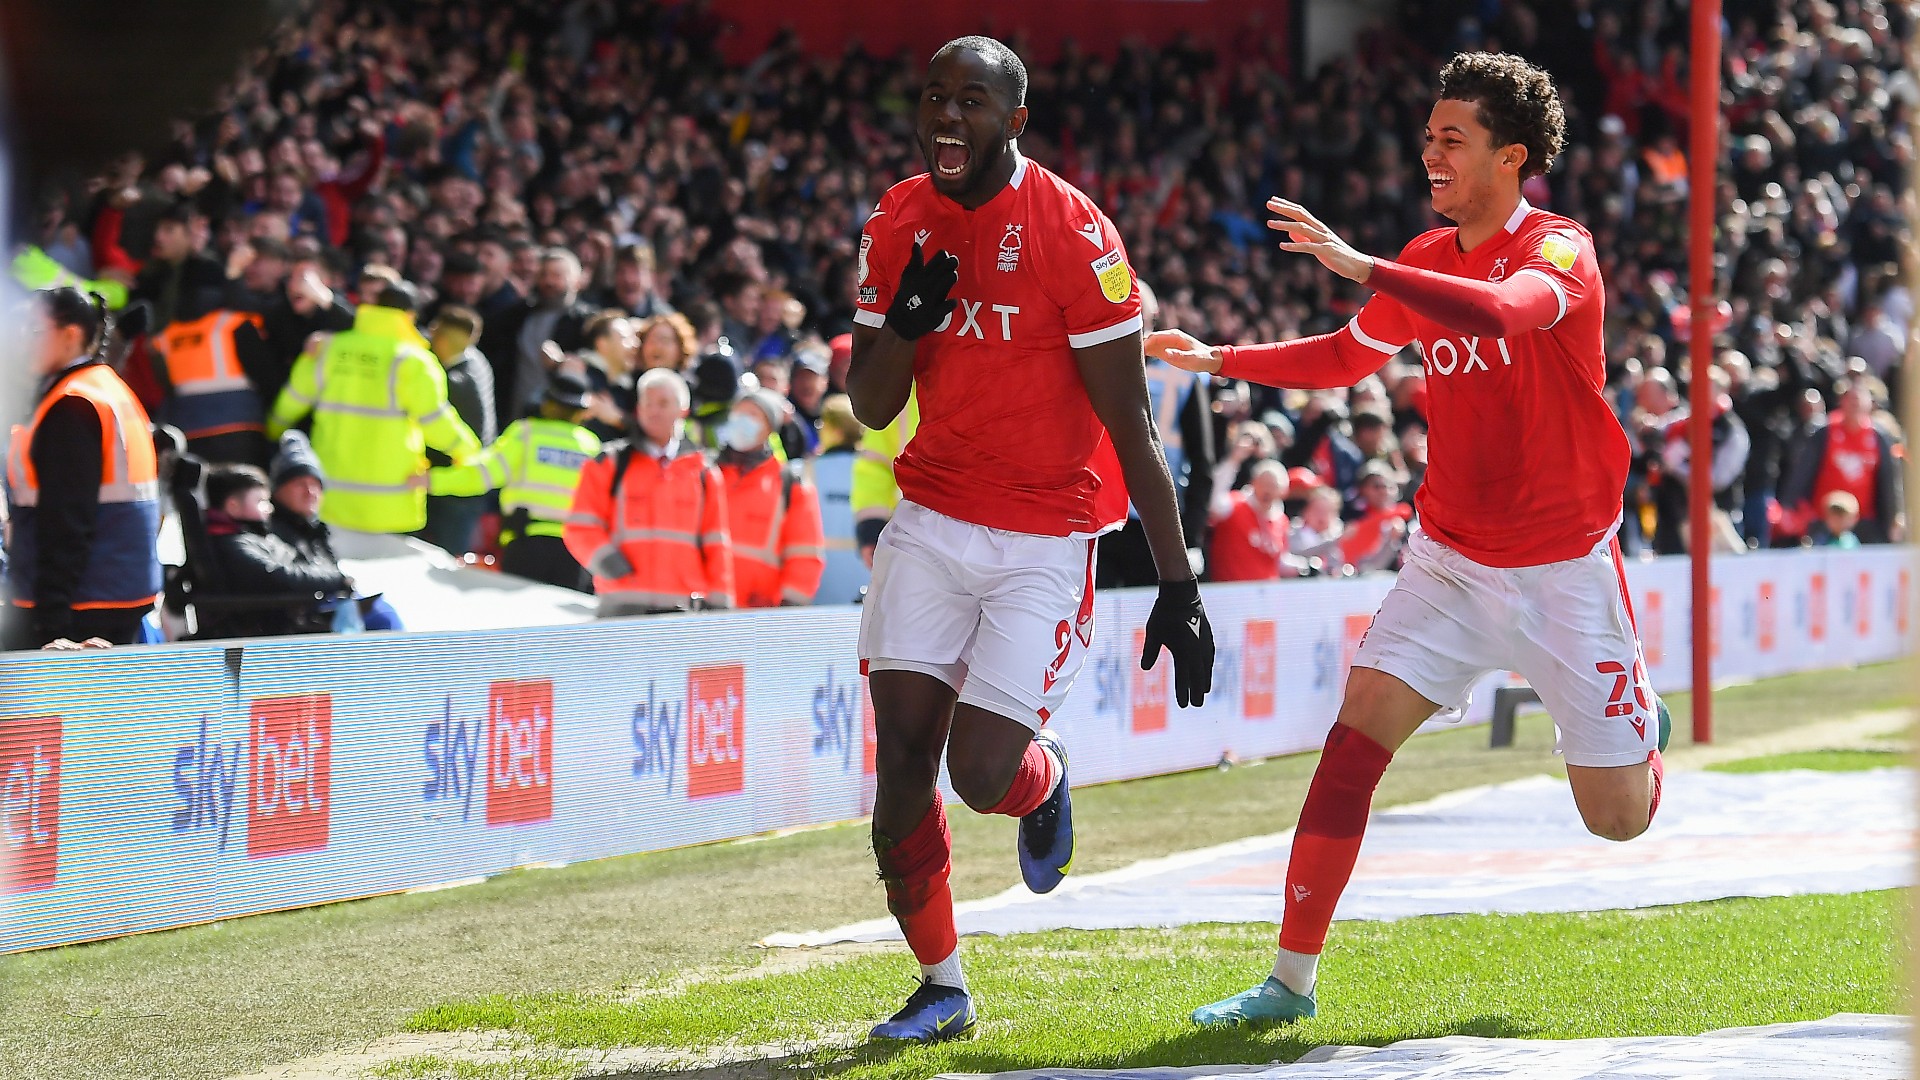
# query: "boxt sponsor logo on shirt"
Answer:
x=30 y=801
x=289 y=775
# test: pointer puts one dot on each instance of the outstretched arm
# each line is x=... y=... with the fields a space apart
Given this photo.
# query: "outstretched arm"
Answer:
x=1529 y=300
x=1321 y=362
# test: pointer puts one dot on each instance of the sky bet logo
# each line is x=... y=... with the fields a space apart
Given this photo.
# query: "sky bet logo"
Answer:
x=711 y=721
x=206 y=780
x=30 y=800
x=842 y=720
x=290 y=775
x=511 y=752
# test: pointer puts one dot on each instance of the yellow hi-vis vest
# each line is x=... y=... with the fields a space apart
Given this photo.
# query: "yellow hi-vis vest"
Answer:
x=536 y=465
x=875 y=493
x=378 y=400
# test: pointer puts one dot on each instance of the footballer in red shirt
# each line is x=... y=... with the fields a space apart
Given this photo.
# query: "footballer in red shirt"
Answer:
x=1514 y=564
x=1001 y=296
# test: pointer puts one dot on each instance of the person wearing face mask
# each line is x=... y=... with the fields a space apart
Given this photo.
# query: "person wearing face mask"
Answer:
x=773 y=511
x=82 y=490
x=649 y=516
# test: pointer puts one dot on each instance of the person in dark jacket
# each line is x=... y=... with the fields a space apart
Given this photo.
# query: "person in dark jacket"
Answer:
x=178 y=273
x=307 y=306
x=298 y=483
x=250 y=560
x=452 y=520
x=515 y=343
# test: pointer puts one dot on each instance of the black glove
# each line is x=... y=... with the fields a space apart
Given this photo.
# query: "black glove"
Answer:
x=920 y=303
x=1180 y=623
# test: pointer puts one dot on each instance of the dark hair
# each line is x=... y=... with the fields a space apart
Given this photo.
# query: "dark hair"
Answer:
x=1517 y=103
x=397 y=295
x=453 y=315
x=729 y=284
x=226 y=481
x=1367 y=418
x=68 y=306
x=640 y=255
x=1013 y=73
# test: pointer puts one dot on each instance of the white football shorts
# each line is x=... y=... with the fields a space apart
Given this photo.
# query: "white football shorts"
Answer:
x=1567 y=627
x=1005 y=618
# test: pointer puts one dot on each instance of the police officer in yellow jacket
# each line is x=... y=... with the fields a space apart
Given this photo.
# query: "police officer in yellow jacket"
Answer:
x=378 y=399
x=83 y=494
x=536 y=465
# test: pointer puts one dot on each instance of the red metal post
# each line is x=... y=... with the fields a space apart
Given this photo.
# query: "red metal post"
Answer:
x=1704 y=157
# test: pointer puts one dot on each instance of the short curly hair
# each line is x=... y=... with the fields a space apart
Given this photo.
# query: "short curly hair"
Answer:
x=1517 y=101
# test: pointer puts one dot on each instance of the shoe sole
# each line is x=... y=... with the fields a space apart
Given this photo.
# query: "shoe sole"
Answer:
x=1250 y=1022
x=945 y=1036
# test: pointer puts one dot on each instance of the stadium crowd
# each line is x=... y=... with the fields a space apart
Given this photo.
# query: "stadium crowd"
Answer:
x=563 y=229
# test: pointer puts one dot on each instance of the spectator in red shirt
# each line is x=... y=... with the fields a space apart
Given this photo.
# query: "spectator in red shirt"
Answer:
x=1853 y=453
x=1375 y=535
x=1250 y=528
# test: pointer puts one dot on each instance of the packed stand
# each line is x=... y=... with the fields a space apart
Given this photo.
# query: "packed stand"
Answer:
x=557 y=289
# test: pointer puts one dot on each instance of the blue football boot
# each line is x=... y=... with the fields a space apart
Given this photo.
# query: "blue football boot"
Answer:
x=1269 y=1003
x=932 y=1014
x=1046 y=835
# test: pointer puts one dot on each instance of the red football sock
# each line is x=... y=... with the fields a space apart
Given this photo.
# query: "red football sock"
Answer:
x=1031 y=785
x=1327 y=840
x=1659 y=769
x=915 y=871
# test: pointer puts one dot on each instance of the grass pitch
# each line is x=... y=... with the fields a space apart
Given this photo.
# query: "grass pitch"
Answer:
x=1104 y=999
x=243 y=995
x=1820 y=760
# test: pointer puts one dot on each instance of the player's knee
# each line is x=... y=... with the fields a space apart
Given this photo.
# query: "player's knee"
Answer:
x=907 y=762
x=979 y=786
x=1620 y=824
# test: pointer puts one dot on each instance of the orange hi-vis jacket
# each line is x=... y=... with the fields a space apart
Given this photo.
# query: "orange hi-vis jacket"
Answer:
x=123 y=567
x=779 y=549
x=653 y=533
x=210 y=393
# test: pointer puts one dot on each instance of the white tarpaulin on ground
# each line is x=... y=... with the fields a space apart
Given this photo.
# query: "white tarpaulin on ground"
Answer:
x=1843 y=1047
x=1515 y=847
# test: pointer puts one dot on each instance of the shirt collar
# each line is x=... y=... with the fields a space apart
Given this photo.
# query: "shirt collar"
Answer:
x=1519 y=215
x=66 y=369
x=1019 y=168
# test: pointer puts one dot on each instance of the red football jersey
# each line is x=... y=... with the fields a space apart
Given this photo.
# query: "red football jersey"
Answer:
x=1525 y=459
x=1852 y=465
x=1006 y=431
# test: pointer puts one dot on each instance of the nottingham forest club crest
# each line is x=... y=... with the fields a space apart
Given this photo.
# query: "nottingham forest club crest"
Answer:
x=1010 y=250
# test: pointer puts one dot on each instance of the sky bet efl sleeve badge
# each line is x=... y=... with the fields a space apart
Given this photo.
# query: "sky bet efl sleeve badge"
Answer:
x=1116 y=280
x=1561 y=250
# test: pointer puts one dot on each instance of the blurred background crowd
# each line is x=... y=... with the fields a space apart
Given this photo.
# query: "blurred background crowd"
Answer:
x=551 y=200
